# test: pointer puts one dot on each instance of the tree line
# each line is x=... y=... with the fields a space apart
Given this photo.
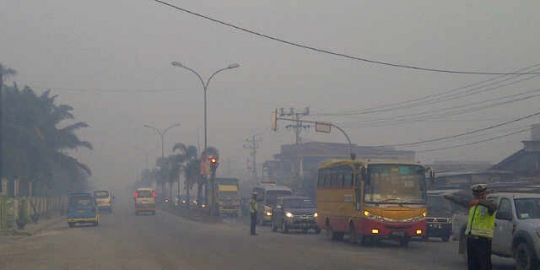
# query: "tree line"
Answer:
x=36 y=137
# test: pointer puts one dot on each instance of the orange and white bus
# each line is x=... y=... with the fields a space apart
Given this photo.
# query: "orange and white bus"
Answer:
x=372 y=200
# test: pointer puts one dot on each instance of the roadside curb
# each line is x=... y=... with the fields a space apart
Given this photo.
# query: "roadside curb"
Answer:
x=34 y=228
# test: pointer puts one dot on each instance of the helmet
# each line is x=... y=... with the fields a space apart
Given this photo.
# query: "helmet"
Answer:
x=478 y=189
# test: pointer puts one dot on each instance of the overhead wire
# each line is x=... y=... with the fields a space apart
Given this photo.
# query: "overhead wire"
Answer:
x=326 y=51
x=425 y=99
x=464 y=133
x=450 y=111
x=475 y=142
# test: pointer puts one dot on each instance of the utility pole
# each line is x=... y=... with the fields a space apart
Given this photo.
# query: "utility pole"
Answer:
x=298 y=126
x=253 y=145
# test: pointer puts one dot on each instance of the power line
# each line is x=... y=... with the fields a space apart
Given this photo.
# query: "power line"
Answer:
x=325 y=51
x=431 y=99
x=463 y=134
x=450 y=111
x=476 y=142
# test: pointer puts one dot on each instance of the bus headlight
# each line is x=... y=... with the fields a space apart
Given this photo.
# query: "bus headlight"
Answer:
x=289 y=214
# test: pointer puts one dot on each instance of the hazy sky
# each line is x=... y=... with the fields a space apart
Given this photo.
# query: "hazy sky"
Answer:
x=92 y=53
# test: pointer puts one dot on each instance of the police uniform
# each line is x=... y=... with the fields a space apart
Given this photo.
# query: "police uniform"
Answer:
x=480 y=227
x=253 y=208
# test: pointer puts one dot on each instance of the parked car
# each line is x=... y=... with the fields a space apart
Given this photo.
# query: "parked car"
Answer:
x=517 y=229
x=82 y=209
x=294 y=212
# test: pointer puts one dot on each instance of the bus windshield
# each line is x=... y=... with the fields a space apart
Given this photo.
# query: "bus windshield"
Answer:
x=395 y=184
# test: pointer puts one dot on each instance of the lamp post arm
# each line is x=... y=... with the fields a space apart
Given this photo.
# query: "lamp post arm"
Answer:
x=212 y=76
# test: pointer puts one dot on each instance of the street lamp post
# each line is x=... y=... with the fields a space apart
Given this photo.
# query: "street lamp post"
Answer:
x=205 y=88
x=161 y=134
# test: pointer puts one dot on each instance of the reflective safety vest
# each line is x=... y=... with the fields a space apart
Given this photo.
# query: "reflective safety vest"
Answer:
x=480 y=222
x=253 y=206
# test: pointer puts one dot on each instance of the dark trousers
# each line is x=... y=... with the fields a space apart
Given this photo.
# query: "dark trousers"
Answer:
x=253 y=222
x=478 y=253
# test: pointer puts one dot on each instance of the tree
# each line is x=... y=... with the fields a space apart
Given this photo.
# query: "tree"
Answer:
x=184 y=156
x=5 y=73
x=35 y=146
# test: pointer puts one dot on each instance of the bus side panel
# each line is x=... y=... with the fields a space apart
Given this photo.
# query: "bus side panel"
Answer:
x=336 y=205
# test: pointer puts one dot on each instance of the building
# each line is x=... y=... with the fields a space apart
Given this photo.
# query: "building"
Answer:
x=296 y=165
x=525 y=162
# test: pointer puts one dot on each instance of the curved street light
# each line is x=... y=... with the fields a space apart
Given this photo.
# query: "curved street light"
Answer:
x=205 y=88
x=161 y=134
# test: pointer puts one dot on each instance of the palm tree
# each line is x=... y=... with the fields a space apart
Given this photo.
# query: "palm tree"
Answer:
x=34 y=147
x=5 y=73
x=184 y=156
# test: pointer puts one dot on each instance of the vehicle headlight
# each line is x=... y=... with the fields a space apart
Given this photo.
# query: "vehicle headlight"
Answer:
x=315 y=215
x=268 y=213
x=289 y=214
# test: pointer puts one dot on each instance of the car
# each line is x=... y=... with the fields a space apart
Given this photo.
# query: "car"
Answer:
x=439 y=216
x=104 y=200
x=82 y=209
x=145 y=201
x=517 y=228
x=294 y=212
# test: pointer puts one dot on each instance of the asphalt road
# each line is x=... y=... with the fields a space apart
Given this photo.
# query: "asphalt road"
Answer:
x=164 y=241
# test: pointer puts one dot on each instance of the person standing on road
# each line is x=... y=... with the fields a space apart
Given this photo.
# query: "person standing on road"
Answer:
x=480 y=227
x=253 y=208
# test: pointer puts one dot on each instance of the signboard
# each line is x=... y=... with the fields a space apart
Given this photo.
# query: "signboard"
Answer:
x=323 y=127
x=274 y=120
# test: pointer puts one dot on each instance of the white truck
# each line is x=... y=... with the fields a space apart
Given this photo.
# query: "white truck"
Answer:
x=517 y=229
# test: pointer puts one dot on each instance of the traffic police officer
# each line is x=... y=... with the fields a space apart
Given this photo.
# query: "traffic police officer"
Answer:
x=480 y=226
x=253 y=208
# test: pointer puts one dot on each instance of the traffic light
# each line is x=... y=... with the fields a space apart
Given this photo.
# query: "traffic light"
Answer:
x=213 y=163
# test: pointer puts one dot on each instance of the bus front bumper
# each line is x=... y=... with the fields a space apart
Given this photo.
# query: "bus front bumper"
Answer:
x=387 y=230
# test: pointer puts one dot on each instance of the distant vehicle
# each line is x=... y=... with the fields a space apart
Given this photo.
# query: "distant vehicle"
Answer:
x=294 y=212
x=145 y=201
x=267 y=194
x=372 y=200
x=439 y=216
x=517 y=223
x=104 y=200
x=82 y=209
x=181 y=200
x=228 y=196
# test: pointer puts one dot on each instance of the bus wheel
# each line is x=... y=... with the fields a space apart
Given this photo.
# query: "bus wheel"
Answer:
x=353 y=239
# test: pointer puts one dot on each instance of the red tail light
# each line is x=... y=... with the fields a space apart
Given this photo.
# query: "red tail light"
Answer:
x=153 y=193
x=136 y=195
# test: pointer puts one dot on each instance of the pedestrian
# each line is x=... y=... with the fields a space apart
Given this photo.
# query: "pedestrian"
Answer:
x=480 y=226
x=253 y=208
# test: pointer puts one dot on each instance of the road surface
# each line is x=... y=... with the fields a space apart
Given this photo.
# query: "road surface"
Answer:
x=164 y=241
